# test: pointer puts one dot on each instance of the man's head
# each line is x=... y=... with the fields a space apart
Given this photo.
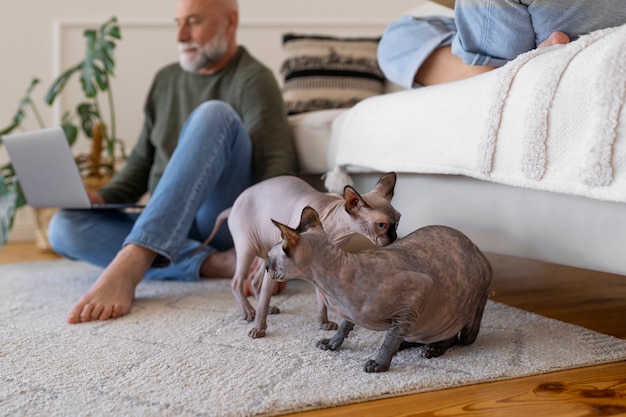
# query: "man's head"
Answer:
x=206 y=34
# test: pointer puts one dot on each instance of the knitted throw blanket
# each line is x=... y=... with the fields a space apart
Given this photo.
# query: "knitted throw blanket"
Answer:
x=553 y=119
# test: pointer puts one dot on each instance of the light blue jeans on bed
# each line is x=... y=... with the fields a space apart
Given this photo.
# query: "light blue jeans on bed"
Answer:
x=209 y=168
x=489 y=32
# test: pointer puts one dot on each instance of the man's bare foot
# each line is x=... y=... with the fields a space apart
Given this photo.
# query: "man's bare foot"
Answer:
x=556 y=38
x=112 y=294
x=219 y=265
x=223 y=265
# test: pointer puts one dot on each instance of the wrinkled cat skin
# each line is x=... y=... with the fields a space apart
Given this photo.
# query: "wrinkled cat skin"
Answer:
x=427 y=289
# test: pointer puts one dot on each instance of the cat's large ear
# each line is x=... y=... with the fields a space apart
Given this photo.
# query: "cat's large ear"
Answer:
x=290 y=236
x=386 y=185
x=308 y=220
x=352 y=199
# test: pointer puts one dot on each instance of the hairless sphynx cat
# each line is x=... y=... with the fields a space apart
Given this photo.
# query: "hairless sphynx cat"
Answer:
x=427 y=289
x=283 y=198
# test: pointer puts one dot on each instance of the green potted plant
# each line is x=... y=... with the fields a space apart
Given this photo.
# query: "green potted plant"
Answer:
x=94 y=72
x=8 y=199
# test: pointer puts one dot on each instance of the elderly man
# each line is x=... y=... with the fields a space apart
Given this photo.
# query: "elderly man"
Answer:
x=214 y=125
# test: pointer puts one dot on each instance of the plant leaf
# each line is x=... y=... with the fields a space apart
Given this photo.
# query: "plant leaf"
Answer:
x=8 y=129
x=101 y=78
x=21 y=200
x=71 y=132
x=86 y=78
x=19 y=114
x=100 y=49
x=110 y=28
x=59 y=84
x=105 y=55
x=7 y=172
x=88 y=114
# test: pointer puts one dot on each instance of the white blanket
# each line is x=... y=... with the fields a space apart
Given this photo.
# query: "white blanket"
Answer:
x=553 y=119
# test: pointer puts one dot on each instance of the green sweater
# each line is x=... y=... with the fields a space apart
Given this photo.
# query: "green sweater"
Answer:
x=246 y=84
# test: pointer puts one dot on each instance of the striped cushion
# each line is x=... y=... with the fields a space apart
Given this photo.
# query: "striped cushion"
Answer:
x=326 y=72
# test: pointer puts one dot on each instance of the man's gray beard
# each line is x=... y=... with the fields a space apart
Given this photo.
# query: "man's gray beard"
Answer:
x=206 y=56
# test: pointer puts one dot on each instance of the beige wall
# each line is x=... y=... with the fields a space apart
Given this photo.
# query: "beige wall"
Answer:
x=41 y=37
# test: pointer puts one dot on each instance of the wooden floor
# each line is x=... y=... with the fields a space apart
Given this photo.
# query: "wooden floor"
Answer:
x=590 y=299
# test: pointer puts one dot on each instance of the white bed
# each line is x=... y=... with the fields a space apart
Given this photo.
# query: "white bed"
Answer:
x=528 y=160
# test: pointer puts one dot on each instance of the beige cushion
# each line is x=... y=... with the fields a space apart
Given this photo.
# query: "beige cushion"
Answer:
x=327 y=72
x=311 y=133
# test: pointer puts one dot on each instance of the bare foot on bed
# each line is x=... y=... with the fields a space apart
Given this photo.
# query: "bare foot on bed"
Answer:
x=112 y=294
x=556 y=38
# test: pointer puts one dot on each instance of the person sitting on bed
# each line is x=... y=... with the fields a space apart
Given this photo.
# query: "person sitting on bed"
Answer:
x=215 y=123
x=485 y=34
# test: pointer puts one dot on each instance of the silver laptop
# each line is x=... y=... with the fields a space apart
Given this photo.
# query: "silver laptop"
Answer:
x=45 y=167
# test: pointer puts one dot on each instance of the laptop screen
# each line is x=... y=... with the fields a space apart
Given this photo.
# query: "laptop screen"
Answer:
x=46 y=169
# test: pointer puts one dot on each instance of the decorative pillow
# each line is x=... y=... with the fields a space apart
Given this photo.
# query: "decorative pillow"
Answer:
x=326 y=72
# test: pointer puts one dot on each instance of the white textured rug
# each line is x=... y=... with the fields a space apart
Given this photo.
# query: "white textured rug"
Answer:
x=184 y=351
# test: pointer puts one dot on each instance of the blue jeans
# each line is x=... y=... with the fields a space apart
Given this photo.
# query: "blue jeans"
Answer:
x=489 y=32
x=210 y=167
x=494 y=32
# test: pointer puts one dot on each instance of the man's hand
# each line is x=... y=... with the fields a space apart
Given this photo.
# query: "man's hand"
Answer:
x=95 y=198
